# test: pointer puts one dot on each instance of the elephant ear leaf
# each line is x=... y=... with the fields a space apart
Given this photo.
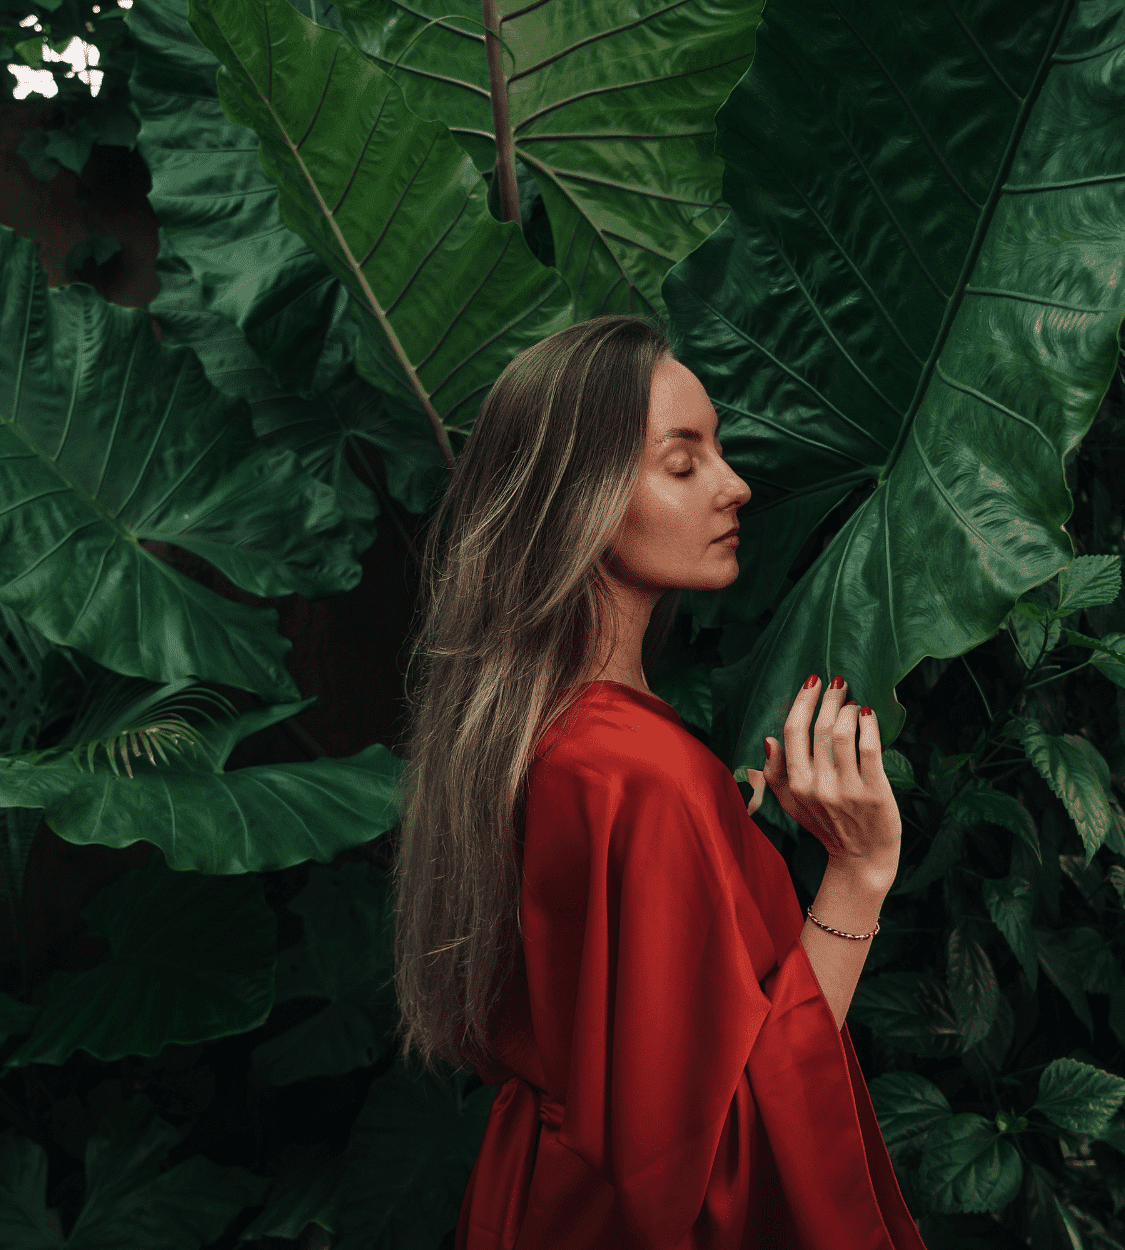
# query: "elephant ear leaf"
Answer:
x=610 y=107
x=445 y=294
x=913 y=306
x=108 y=438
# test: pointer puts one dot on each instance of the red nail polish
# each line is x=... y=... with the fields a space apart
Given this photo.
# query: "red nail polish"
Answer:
x=865 y=710
x=767 y=742
x=850 y=703
x=837 y=683
x=810 y=681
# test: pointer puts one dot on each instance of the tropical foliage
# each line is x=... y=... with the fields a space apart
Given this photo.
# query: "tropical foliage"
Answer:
x=889 y=241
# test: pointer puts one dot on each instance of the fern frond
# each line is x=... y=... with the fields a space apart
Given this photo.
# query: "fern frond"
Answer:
x=167 y=733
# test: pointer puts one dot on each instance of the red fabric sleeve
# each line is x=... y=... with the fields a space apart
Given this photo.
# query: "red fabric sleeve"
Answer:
x=691 y=978
x=669 y=1004
x=680 y=1083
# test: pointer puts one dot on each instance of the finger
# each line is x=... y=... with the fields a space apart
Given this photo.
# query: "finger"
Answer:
x=758 y=781
x=843 y=745
x=870 y=746
x=776 y=773
x=798 y=758
x=823 y=756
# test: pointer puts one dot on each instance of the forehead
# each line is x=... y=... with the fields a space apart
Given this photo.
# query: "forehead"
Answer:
x=679 y=407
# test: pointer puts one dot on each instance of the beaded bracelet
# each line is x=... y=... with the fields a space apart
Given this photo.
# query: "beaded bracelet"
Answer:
x=857 y=937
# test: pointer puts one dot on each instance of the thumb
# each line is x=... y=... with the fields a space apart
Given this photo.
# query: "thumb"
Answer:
x=757 y=779
x=777 y=775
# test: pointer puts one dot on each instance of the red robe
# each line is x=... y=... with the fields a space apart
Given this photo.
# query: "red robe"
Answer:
x=671 y=1076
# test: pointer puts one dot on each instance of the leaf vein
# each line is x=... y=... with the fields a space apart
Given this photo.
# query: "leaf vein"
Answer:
x=992 y=403
x=594 y=38
x=623 y=86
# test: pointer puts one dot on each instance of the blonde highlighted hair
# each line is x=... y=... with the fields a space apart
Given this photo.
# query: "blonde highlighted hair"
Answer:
x=512 y=606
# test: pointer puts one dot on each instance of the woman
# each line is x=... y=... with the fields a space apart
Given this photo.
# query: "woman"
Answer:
x=585 y=910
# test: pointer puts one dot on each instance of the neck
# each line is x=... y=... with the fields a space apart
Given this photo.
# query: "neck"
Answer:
x=634 y=606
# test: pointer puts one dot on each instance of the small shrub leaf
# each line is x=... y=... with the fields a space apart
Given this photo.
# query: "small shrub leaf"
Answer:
x=1079 y=1097
x=899 y=771
x=1089 y=582
x=1010 y=902
x=972 y=987
x=975 y=807
x=1064 y=972
x=1077 y=773
x=968 y=1166
x=907 y=1106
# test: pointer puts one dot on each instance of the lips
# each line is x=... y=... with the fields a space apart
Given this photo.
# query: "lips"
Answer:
x=733 y=530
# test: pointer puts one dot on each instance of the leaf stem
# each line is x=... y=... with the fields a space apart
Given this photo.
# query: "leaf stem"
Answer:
x=986 y=736
x=501 y=120
x=1065 y=673
x=352 y=264
x=385 y=495
x=980 y=689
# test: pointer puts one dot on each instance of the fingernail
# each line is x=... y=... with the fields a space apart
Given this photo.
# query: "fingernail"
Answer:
x=837 y=683
x=767 y=742
x=851 y=703
x=810 y=681
x=865 y=711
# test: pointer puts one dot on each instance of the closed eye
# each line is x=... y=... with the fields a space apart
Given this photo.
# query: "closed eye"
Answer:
x=689 y=472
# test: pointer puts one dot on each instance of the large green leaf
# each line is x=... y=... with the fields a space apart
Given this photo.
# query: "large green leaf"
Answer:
x=916 y=296
x=317 y=429
x=410 y=1153
x=347 y=957
x=610 y=105
x=22 y=651
x=129 y=1203
x=15 y=1017
x=301 y=1195
x=250 y=268
x=192 y=959
x=109 y=438
x=444 y=294
x=274 y=330
x=254 y=819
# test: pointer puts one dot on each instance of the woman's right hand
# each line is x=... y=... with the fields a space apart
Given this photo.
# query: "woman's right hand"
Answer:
x=849 y=807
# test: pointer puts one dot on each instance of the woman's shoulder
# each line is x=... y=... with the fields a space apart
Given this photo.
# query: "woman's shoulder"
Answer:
x=612 y=727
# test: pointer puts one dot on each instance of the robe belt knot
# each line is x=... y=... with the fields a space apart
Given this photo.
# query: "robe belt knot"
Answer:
x=550 y=1109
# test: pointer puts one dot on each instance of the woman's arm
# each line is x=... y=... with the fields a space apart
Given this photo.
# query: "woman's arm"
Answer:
x=846 y=802
x=847 y=900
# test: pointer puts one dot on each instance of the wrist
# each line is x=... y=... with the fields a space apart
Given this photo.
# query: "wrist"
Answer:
x=866 y=878
x=849 y=902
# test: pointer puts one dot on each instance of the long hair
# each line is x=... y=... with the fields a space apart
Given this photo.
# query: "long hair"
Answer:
x=511 y=616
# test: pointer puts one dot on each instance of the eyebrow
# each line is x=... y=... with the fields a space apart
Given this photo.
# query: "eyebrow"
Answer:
x=684 y=432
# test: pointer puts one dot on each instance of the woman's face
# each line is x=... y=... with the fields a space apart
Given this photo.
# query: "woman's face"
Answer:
x=685 y=497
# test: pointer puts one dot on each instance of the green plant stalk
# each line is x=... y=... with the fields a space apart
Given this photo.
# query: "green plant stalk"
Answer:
x=501 y=121
x=1064 y=673
x=986 y=737
x=980 y=689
